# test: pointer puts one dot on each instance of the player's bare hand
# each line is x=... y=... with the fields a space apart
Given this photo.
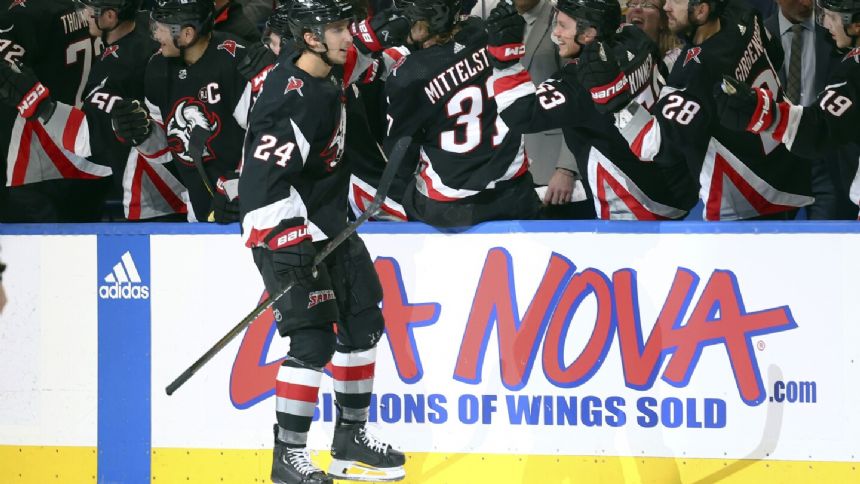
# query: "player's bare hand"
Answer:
x=560 y=188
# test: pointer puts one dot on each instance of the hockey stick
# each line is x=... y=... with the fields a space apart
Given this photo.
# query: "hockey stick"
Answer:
x=397 y=155
x=196 y=145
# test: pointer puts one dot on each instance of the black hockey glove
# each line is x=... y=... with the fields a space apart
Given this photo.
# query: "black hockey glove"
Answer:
x=740 y=107
x=257 y=59
x=130 y=121
x=505 y=29
x=225 y=200
x=388 y=28
x=600 y=75
x=20 y=89
x=312 y=299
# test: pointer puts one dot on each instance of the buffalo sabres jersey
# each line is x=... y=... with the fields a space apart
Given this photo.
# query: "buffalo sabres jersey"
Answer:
x=146 y=186
x=621 y=186
x=831 y=122
x=293 y=155
x=442 y=97
x=209 y=93
x=367 y=163
x=52 y=38
x=741 y=175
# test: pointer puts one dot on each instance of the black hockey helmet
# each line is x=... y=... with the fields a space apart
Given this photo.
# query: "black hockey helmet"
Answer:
x=440 y=15
x=198 y=14
x=279 y=21
x=847 y=10
x=313 y=15
x=603 y=15
x=125 y=9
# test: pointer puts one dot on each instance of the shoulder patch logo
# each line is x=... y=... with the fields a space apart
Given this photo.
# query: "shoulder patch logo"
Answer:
x=110 y=51
x=230 y=47
x=855 y=53
x=458 y=47
x=294 y=84
x=693 y=55
x=742 y=28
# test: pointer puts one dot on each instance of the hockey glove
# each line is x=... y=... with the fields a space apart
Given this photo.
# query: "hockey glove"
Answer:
x=130 y=121
x=257 y=60
x=740 y=107
x=600 y=75
x=20 y=89
x=505 y=30
x=388 y=28
x=225 y=200
x=312 y=298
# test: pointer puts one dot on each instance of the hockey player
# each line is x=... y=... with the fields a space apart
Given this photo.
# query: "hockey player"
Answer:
x=471 y=167
x=200 y=79
x=49 y=38
x=621 y=186
x=741 y=175
x=807 y=131
x=150 y=189
x=293 y=198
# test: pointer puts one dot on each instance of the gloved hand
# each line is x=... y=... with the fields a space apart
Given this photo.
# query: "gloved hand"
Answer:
x=388 y=28
x=505 y=30
x=225 y=200
x=740 y=107
x=600 y=75
x=257 y=59
x=312 y=299
x=130 y=121
x=20 y=89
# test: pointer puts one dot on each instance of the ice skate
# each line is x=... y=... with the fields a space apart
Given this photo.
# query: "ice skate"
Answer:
x=292 y=465
x=359 y=456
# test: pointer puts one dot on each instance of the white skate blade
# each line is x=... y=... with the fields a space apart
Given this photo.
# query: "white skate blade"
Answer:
x=356 y=471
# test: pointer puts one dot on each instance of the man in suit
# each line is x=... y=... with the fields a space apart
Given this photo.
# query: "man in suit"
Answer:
x=552 y=164
x=808 y=52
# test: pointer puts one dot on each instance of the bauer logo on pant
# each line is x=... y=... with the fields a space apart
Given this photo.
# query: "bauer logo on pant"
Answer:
x=124 y=282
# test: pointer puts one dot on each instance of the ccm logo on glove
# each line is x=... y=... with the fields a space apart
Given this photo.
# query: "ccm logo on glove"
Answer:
x=27 y=106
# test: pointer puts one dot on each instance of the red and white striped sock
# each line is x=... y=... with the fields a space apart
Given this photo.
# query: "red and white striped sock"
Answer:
x=353 y=382
x=296 y=389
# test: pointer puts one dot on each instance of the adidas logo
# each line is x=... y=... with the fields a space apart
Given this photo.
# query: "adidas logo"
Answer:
x=124 y=281
x=458 y=47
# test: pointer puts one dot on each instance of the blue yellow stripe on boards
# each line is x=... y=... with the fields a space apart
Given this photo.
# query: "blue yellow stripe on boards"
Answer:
x=247 y=466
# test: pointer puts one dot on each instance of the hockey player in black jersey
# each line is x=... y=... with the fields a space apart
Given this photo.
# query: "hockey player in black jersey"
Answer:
x=621 y=186
x=471 y=167
x=49 y=38
x=741 y=175
x=200 y=79
x=293 y=198
x=831 y=122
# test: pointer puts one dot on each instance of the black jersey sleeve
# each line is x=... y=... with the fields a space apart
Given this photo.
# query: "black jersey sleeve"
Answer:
x=832 y=120
x=558 y=102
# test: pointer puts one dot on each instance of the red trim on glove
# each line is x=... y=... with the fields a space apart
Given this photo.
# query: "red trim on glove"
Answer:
x=507 y=52
x=604 y=94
